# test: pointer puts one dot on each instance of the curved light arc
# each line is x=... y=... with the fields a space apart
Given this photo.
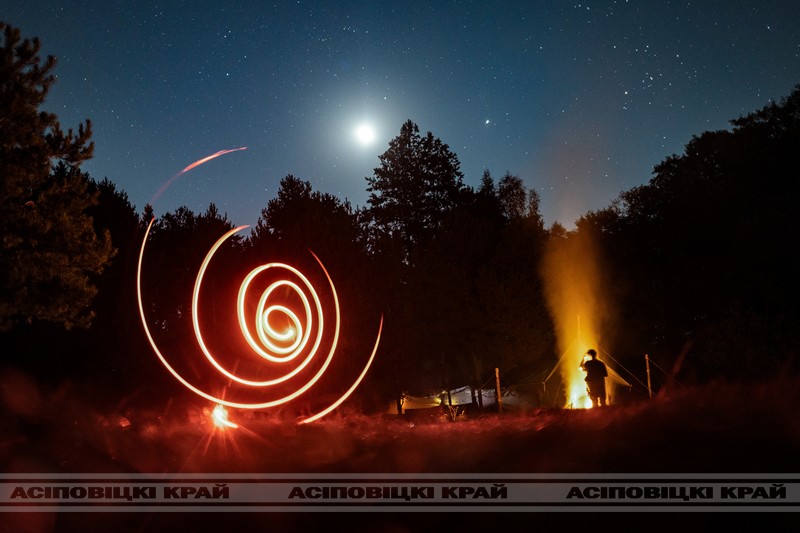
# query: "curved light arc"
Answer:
x=304 y=334
x=303 y=364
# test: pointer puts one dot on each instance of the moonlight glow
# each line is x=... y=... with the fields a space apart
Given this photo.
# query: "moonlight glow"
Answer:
x=365 y=134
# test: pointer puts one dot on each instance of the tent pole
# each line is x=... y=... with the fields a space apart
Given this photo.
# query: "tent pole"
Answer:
x=497 y=390
x=649 y=387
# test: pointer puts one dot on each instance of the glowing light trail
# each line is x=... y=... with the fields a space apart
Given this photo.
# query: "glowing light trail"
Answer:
x=296 y=331
x=240 y=301
x=190 y=167
x=264 y=330
x=338 y=402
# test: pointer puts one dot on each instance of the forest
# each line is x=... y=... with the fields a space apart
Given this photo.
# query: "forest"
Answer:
x=696 y=268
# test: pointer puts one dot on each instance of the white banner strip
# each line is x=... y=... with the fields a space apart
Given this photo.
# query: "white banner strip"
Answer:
x=398 y=492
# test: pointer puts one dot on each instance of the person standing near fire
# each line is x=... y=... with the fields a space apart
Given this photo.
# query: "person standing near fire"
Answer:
x=596 y=373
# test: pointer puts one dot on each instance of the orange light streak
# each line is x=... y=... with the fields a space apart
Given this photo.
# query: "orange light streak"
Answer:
x=263 y=331
x=209 y=158
x=296 y=331
x=240 y=302
x=190 y=167
x=344 y=396
x=266 y=332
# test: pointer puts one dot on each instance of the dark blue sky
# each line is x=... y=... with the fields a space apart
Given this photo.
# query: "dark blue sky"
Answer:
x=579 y=99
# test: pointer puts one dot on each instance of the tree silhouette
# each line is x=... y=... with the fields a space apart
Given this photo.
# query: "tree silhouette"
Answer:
x=418 y=181
x=517 y=201
x=49 y=246
x=299 y=219
x=178 y=242
x=705 y=255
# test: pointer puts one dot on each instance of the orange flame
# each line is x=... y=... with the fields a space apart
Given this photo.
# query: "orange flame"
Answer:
x=572 y=283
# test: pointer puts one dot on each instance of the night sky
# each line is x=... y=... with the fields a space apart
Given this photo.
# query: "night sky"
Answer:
x=579 y=99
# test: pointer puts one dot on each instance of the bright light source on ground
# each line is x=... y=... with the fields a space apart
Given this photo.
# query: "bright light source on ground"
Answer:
x=220 y=418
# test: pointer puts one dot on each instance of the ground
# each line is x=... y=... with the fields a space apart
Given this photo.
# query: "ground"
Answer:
x=716 y=428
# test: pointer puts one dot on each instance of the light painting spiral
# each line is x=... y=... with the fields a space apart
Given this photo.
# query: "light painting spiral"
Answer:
x=298 y=343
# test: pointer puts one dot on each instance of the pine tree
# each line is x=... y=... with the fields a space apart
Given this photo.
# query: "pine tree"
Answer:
x=48 y=245
x=418 y=182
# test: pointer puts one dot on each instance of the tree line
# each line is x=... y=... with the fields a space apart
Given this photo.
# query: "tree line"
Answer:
x=698 y=264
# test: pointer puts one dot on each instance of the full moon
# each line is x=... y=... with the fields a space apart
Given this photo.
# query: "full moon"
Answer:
x=365 y=134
